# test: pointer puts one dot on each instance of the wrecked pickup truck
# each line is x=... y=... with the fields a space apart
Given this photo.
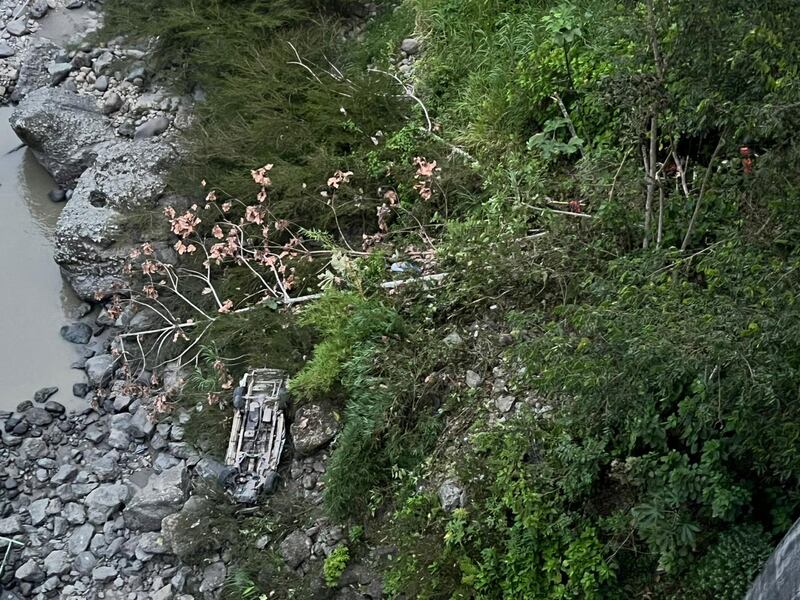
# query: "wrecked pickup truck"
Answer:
x=258 y=433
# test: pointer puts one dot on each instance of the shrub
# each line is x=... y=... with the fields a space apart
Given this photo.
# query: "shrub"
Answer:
x=335 y=564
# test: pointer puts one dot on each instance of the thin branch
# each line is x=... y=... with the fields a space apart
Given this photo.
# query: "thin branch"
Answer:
x=706 y=179
x=616 y=175
x=559 y=212
x=570 y=124
x=299 y=62
x=654 y=42
x=651 y=180
x=660 y=230
x=409 y=90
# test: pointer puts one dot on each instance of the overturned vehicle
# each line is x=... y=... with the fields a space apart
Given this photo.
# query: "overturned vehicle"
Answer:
x=258 y=434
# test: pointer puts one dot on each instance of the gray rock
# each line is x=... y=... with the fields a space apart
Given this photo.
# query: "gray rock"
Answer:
x=114 y=547
x=313 y=428
x=190 y=532
x=451 y=495
x=55 y=408
x=177 y=433
x=153 y=543
x=98 y=544
x=410 y=46
x=73 y=4
x=10 y=440
x=104 y=574
x=6 y=51
x=34 y=448
x=64 y=474
x=127 y=128
x=43 y=394
x=165 y=593
x=60 y=527
x=76 y=333
x=37 y=510
x=151 y=128
x=38 y=9
x=122 y=402
x=102 y=62
x=295 y=549
x=99 y=369
x=157 y=442
x=102 y=502
x=62 y=129
x=119 y=439
x=101 y=83
x=137 y=72
x=80 y=538
x=57 y=195
x=34 y=60
x=74 y=513
x=112 y=103
x=106 y=467
x=17 y=27
x=10 y=526
x=213 y=577
x=141 y=426
x=30 y=572
x=473 y=379
x=38 y=416
x=164 y=461
x=59 y=72
x=56 y=563
x=84 y=563
x=504 y=403
x=80 y=390
x=163 y=495
x=453 y=340
x=94 y=434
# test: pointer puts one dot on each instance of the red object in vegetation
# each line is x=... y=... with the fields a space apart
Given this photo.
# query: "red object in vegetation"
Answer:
x=747 y=159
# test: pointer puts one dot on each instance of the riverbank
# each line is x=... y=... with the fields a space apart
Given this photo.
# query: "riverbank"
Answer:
x=66 y=475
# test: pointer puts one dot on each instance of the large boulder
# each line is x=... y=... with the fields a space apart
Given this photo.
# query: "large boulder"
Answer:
x=34 y=59
x=163 y=495
x=313 y=428
x=63 y=129
x=92 y=239
x=196 y=531
x=295 y=549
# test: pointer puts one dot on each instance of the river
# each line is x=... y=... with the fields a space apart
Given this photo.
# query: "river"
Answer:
x=34 y=300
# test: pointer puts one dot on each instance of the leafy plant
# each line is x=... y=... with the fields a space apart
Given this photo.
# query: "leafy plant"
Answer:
x=335 y=564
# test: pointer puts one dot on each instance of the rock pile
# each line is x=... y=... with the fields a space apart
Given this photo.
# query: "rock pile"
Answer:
x=86 y=494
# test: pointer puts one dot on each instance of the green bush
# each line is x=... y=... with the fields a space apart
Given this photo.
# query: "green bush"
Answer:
x=344 y=320
x=335 y=564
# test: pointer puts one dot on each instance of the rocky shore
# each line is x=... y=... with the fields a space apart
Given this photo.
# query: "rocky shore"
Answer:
x=84 y=493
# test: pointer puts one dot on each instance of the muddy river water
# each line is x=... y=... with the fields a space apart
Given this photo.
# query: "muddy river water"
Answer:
x=34 y=300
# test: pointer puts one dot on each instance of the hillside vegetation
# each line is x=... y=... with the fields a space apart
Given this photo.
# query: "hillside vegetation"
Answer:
x=611 y=189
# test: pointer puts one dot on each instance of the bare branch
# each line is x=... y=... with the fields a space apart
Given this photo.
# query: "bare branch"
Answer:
x=409 y=91
x=570 y=124
x=699 y=202
x=651 y=180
